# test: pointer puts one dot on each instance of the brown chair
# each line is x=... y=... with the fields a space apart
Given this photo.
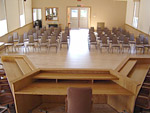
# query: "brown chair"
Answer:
x=139 y=45
x=53 y=43
x=25 y=36
x=64 y=40
x=131 y=39
x=10 y=43
x=115 y=44
x=20 y=43
x=79 y=100
x=146 y=44
x=126 y=44
x=6 y=97
x=15 y=37
x=92 y=40
x=43 y=43
x=30 y=32
x=104 y=44
x=31 y=43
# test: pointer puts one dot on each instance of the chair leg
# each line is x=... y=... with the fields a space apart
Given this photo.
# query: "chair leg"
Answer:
x=8 y=110
x=56 y=49
x=12 y=48
x=67 y=46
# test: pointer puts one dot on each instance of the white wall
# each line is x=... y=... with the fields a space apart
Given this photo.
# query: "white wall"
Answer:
x=129 y=12
x=13 y=15
x=111 y=12
x=28 y=11
x=144 y=15
x=12 y=12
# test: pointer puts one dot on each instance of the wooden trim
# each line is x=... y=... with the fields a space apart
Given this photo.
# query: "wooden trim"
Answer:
x=137 y=29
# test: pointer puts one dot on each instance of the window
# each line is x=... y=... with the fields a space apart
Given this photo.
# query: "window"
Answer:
x=22 y=16
x=3 y=21
x=136 y=14
x=83 y=13
x=37 y=14
x=74 y=13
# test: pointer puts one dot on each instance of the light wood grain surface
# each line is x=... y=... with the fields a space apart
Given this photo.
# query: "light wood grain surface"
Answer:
x=47 y=88
x=70 y=76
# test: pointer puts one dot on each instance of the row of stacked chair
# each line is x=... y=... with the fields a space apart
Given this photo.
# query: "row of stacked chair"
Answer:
x=143 y=98
x=6 y=97
x=117 y=38
x=52 y=37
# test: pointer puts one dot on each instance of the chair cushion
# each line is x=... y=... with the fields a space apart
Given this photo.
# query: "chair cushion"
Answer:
x=79 y=100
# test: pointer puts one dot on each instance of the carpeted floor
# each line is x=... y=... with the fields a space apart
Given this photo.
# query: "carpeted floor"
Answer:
x=97 y=108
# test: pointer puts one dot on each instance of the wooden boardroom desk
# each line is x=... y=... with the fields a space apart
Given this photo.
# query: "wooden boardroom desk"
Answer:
x=31 y=87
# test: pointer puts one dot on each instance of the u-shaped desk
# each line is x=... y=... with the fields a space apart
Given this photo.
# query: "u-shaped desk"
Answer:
x=31 y=86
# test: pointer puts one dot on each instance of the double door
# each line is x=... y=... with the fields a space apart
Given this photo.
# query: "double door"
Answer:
x=79 y=17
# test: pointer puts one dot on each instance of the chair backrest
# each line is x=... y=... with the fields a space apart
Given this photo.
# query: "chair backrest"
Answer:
x=45 y=34
x=141 y=36
x=126 y=40
x=127 y=33
x=15 y=35
x=35 y=36
x=30 y=32
x=111 y=37
x=31 y=39
x=104 y=40
x=52 y=28
x=39 y=33
x=120 y=29
x=42 y=30
x=67 y=32
x=124 y=31
x=138 y=41
x=114 y=40
x=121 y=37
x=64 y=37
x=53 y=40
x=99 y=33
x=79 y=100
x=92 y=37
x=48 y=32
x=92 y=29
x=145 y=41
x=25 y=35
x=21 y=40
x=114 y=30
x=131 y=37
x=33 y=30
x=43 y=39
x=66 y=28
x=10 y=39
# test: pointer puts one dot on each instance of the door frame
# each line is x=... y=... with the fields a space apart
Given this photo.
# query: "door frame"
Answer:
x=67 y=14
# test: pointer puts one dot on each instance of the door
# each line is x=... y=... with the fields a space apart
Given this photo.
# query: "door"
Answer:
x=79 y=17
x=74 y=18
x=84 y=17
